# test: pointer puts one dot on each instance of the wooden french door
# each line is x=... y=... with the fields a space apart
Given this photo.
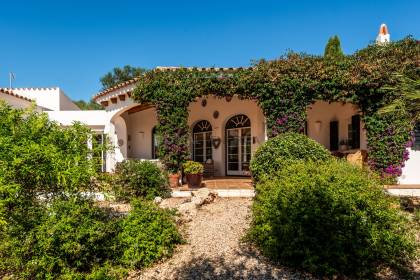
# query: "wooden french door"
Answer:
x=238 y=146
x=202 y=146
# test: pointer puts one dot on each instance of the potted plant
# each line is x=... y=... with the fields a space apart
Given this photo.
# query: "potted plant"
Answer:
x=174 y=179
x=194 y=173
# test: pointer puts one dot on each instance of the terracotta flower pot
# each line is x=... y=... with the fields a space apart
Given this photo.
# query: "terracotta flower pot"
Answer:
x=174 y=180
x=194 y=180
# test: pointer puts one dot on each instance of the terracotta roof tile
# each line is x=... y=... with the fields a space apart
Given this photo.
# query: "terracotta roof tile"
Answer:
x=167 y=68
x=108 y=90
x=9 y=92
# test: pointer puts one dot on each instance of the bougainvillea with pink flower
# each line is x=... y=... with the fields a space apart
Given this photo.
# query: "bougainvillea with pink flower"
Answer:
x=284 y=88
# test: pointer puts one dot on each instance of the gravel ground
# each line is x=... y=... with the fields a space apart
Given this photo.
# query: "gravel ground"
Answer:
x=214 y=249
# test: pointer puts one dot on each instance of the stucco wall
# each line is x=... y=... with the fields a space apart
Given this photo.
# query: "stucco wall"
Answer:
x=226 y=111
x=411 y=171
x=139 y=132
x=91 y=118
x=50 y=98
x=321 y=113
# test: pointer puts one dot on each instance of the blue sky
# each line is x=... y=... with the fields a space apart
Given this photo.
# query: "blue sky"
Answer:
x=71 y=44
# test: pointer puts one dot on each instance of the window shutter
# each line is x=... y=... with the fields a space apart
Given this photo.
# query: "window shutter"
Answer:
x=416 y=145
x=355 y=128
x=334 y=135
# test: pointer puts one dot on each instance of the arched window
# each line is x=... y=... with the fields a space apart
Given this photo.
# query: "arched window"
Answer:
x=238 y=145
x=202 y=148
x=238 y=121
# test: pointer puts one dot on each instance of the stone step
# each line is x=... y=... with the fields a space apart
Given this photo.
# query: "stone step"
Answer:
x=220 y=193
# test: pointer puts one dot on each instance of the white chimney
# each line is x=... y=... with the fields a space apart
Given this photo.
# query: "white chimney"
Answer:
x=383 y=36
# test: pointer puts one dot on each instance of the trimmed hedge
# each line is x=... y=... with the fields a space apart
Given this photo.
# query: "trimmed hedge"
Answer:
x=279 y=151
x=329 y=218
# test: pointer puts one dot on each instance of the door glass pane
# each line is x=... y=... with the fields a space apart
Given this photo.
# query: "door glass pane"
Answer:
x=246 y=131
x=245 y=148
x=233 y=149
x=208 y=146
x=198 y=147
x=233 y=166
x=202 y=146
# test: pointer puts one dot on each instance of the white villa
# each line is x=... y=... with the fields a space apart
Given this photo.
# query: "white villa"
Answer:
x=224 y=132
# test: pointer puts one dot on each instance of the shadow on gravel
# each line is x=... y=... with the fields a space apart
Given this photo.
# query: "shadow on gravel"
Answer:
x=247 y=266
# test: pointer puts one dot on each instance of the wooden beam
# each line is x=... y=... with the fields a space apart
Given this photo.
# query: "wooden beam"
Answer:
x=114 y=100
x=121 y=97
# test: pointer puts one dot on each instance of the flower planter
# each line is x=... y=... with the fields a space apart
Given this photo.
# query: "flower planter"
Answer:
x=194 y=180
x=174 y=180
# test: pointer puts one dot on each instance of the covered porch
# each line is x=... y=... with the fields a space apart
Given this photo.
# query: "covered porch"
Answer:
x=225 y=133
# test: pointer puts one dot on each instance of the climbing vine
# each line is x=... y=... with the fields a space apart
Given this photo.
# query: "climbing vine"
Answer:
x=283 y=88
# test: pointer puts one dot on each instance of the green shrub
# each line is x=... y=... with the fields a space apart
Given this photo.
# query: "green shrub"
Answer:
x=73 y=238
x=192 y=167
x=416 y=216
x=279 y=151
x=148 y=234
x=329 y=218
x=135 y=178
x=47 y=231
x=43 y=157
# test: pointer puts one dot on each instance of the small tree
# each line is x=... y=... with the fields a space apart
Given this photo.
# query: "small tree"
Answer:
x=333 y=49
x=119 y=75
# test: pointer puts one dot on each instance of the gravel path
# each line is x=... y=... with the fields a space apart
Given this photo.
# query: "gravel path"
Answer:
x=214 y=249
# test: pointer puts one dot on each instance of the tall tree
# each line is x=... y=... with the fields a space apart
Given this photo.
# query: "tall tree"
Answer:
x=119 y=75
x=333 y=49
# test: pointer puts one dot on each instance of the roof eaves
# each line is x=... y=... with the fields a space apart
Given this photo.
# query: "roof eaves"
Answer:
x=9 y=92
x=168 y=68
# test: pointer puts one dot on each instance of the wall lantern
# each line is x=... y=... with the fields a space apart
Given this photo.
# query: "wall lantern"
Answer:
x=216 y=142
x=215 y=114
x=204 y=102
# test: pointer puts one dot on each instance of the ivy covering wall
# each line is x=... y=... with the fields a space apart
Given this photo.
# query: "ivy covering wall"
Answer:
x=284 y=87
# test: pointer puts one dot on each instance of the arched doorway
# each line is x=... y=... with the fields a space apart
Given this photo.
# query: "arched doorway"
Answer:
x=238 y=145
x=202 y=148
